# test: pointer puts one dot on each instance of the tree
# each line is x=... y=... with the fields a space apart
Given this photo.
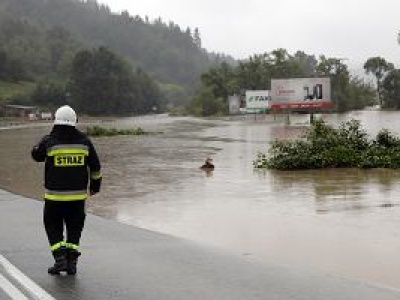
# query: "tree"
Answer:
x=51 y=94
x=391 y=89
x=283 y=64
x=220 y=81
x=3 y=60
x=398 y=38
x=205 y=104
x=15 y=70
x=255 y=73
x=340 y=80
x=379 y=67
x=103 y=83
x=94 y=82
x=308 y=63
x=62 y=47
x=360 y=94
x=197 y=38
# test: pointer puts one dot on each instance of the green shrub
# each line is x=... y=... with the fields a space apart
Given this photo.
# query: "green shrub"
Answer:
x=327 y=147
x=386 y=139
x=97 y=131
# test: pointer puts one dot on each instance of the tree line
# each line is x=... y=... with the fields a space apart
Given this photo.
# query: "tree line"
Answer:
x=102 y=83
x=106 y=63
x=348 y=92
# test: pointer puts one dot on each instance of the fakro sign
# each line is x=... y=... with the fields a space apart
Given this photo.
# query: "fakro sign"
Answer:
x=257 y=101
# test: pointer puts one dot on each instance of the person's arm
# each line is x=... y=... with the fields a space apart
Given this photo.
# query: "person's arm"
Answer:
x=95 y=171
x=39 y=151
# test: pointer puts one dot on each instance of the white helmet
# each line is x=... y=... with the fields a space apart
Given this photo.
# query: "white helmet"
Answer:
x=65 y=115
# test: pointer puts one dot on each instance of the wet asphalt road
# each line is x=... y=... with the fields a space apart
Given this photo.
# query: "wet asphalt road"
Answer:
x=125 y=262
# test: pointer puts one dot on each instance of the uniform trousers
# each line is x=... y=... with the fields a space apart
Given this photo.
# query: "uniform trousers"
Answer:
x=58 y=214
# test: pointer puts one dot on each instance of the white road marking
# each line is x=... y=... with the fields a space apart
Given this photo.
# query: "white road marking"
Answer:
x=10 y=289
x=31 y=287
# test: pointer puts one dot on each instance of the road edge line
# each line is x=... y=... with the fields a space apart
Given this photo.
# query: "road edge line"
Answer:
x=31 y=287
x=12 y=291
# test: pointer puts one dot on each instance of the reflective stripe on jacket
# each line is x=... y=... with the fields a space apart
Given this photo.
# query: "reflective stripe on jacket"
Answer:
x=71 y=164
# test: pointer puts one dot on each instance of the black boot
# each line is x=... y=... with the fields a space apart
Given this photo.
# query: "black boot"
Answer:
x=60 y=257
x=72 y=261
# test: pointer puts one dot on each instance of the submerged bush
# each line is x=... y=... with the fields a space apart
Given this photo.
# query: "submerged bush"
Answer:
x=327 y=147
x=97 y=131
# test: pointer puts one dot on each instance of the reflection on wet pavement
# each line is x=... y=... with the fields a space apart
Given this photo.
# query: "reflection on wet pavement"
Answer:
x=343 y=221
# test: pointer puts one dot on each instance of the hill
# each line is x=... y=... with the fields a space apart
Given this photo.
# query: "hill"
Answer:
x=41 y=37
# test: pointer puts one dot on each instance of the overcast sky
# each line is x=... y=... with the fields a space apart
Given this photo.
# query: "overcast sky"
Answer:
x=351 y=29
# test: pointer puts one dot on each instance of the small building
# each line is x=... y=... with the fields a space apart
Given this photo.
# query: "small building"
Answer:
x=237 y=104
x=234 y=104
x=46 y=116
x=23 y=111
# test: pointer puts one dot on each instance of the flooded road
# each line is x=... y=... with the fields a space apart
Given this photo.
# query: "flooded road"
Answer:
x=344 y=221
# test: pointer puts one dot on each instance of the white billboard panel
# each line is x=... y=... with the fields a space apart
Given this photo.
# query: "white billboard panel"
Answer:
x=301 y=93
x=257 y=101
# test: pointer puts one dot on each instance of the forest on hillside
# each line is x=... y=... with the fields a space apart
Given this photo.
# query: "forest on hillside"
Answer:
x=39 y=40
x=165 y=51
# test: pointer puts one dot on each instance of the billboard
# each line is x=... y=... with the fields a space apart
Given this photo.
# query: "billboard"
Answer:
x=257 y=101
x=301 y=93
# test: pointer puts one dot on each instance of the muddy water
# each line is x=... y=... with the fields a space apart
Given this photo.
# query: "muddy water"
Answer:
x=345 y=222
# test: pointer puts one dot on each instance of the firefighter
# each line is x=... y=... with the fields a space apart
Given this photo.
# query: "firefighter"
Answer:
x=72 y=172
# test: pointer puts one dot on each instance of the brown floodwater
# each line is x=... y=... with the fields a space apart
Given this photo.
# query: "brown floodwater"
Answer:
x=341 y=221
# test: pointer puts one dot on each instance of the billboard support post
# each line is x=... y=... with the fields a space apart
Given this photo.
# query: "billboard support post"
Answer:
x=287 y=119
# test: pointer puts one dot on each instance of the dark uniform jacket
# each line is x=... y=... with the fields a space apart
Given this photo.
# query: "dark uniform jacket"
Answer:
x=71 y=164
